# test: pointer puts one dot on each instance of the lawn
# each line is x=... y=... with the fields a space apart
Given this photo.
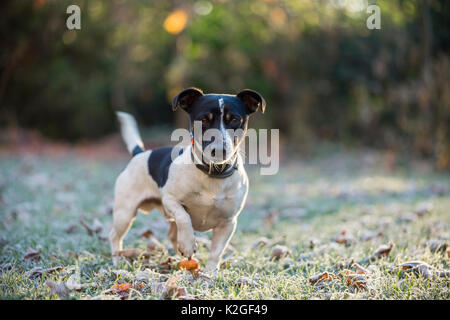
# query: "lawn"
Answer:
x=329 y=212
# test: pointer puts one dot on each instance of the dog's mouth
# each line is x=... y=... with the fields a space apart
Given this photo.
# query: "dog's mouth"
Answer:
x=218 y=161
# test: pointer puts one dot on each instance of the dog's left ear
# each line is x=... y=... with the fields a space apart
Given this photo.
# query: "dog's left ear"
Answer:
x=252 y=100
x=186 y=98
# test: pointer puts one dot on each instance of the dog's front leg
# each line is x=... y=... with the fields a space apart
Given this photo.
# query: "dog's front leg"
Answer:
x=185 y=233
x=220 y=238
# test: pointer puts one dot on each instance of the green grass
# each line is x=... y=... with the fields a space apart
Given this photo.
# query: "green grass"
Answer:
x=317 y=199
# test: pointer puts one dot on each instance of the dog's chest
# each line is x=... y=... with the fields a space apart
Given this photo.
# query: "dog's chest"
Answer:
x=212 y=203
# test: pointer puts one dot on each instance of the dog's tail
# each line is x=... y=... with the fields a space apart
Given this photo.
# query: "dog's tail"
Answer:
x=130 y=133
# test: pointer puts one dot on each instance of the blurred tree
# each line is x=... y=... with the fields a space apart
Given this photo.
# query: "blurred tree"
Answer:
x=324 y=74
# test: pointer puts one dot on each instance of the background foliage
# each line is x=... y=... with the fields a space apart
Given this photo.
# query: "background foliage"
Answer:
x=326 y=77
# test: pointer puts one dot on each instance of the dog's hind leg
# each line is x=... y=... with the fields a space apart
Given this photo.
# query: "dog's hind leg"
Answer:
x=123 y=218
x=133 y=188
x=173 y=235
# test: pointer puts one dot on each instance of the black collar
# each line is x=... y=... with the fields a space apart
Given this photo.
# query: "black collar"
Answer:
x=219 y=172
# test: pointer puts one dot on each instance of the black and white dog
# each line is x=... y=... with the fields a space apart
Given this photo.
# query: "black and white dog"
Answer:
x=207 y=194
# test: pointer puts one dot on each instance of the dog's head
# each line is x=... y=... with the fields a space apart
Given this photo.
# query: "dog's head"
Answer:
x=223 y=120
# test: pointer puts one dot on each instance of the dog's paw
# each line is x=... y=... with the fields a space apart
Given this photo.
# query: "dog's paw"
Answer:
x=187 y=245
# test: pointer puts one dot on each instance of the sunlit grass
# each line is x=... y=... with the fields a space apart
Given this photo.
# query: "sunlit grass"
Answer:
x=317 y=200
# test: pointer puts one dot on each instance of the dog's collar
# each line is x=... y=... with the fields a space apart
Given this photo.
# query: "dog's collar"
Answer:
x=219 y=171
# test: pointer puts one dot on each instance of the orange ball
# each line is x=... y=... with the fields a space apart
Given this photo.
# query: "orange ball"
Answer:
x=189 y=265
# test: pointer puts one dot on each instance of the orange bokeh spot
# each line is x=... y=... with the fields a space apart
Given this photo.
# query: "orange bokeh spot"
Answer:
x=176 y=21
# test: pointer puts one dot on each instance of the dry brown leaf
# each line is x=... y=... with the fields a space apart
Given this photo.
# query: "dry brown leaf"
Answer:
x=357 y=281
x=33 y=254
x=39 y=272
x=121 y=287
x=167 y=264
x=57 y=288
x=260 y=242
x=360 y=269
x=89 y=230
x=170 y=288
x=342 y=238
x=344 y=263
x=382 y=251
x=73 y=283
x=423 y=269
x=318 y=278
x=279 y=251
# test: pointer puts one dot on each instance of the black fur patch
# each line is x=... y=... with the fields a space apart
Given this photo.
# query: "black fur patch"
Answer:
x=136 y=150
x=159 y=163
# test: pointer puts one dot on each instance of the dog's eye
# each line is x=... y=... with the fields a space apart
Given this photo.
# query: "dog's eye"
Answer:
x=235 y=121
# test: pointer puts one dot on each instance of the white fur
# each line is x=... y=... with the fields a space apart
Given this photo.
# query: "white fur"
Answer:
x=190 y=200
x=193 y=202
x=129 y=131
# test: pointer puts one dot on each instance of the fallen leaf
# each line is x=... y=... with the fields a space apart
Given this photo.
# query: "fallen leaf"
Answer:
x=279 y=251
x=345 y=263
x=260 y=242
x=34 y=255
x=360 y=269
x=89 y=230
x=318 y=278
x=96 y=227
x=423 y=269
x=167 y=264
x=57 y=288
x=39 y=272
x=188 y=265
x=121 y=287
x=170 y=288
x=73 y=283
x=357 y=281
x=342 y=238
x=382 y=251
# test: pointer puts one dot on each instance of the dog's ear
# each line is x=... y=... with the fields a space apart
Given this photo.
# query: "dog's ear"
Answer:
x=252 y=100
x=186 y=98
